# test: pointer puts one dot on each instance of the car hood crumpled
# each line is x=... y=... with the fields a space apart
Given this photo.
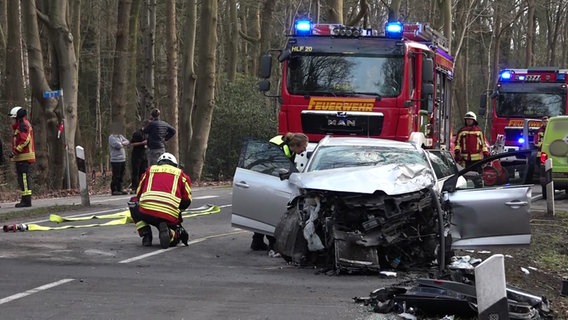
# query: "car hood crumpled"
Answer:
x=393 y=179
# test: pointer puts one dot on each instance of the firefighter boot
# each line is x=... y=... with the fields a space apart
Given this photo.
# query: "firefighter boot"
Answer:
x=183 y=236
x=25 y=202
x=165 y=235
x=146 y=234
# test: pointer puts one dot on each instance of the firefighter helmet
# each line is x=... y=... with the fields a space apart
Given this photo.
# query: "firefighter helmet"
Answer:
x=167 y=157
x=14 y=111
x=470 y=115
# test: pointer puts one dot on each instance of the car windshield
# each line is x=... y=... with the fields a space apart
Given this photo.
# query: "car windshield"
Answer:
x=329 y=157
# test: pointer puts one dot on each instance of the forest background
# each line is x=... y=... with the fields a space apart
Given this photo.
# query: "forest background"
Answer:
x=197 y=61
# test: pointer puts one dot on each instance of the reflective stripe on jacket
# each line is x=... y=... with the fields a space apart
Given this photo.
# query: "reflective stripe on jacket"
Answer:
x=23 y=141
x=470 y=143
x=161 y=190
x=285 y=148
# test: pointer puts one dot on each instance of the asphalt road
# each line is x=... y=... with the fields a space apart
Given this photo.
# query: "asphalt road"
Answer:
x=105 y=273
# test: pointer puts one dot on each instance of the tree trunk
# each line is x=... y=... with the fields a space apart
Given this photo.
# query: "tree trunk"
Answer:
x=206 y=91
x=67 y=73
x=446 y=10
x=15 y=92
x=50 y=171
x=530 y=34
x=188 y=79
x=335 y=11
x=394 y=10
x=266 y=26
x=233 y=41
x=147 y=89
x=119 y=75
x=172 y=75
x=132 y=99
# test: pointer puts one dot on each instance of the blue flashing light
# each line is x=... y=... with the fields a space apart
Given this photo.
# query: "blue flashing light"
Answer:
x=506 y=75
x=303 y=27
x=394 y=29
x=522 y=78
x=561 y=77
x=521 y=140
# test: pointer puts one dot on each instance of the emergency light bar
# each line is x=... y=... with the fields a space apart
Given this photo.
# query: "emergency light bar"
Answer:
x=506 y=75
x=303 y=27
x=394 y=29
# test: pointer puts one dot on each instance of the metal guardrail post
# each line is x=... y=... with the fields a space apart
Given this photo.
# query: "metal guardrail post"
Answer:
x=550 y=209
x=82 y=167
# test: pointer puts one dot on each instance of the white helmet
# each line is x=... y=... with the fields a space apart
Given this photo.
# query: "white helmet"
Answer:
x=14 y=112
x=470 y=115
x=168 y=157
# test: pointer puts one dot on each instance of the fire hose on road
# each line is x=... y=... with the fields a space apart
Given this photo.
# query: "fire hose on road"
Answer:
x=118 y=218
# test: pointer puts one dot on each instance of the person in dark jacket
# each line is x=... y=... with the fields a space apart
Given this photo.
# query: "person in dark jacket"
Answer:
x=138 y=160
x=157 y=133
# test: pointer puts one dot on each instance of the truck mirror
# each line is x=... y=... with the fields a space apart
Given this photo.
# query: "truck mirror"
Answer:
x=264 y=85
x=427 y=70
x=265 y=66
x=427 y=89
x=482 y=104
x=284 y=55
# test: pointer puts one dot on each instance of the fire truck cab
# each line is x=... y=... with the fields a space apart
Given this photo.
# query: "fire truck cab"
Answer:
x=343 y=80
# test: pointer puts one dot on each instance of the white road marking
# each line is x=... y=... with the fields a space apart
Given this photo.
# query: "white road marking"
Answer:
x=35 y=290
x=204 y=197
x=172 y=248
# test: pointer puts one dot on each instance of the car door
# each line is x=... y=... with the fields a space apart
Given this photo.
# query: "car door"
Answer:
x=496 y=214
x=259 y=196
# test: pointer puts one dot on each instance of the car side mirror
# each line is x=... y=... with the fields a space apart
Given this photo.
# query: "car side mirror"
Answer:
x=265 y=66
x=264 y=85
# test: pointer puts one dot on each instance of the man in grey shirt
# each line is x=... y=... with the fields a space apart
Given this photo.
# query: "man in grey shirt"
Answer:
x=158 y=132
x=116 y=143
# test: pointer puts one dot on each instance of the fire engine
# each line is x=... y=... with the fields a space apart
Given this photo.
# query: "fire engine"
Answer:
x=520 y=100
x=346 y=80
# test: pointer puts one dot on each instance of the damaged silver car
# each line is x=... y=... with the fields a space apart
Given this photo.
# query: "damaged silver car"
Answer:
x=373 y=204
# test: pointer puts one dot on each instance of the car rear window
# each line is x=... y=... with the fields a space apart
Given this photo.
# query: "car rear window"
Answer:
x=330 y=157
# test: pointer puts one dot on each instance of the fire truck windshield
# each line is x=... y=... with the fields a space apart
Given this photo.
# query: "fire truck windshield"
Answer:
x=530 y=105
x=345 y=75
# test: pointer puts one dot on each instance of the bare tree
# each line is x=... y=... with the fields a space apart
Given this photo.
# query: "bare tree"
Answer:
x=120 y=73
x=203 y=112
x=188 y=78
x=14 y=70
x=172 y=76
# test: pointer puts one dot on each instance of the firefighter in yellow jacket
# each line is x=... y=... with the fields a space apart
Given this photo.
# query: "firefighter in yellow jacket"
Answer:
x=23 y=153
x=163 y=193
x=470 y=145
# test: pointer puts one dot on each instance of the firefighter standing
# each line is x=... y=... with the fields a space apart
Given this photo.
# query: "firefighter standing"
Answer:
x=291 y=144
x=539 y=136
x=23 y=153
x=163 y=193
x=470 y=145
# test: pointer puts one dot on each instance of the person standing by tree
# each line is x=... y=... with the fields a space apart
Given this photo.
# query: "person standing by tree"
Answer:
x=138 y=160
x=23 y=153
x=158 y=132
x=116 y=143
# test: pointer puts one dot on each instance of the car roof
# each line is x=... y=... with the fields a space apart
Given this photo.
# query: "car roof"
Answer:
x=363 y=141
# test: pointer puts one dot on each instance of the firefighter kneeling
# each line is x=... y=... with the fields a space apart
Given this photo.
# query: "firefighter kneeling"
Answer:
x=163 y=193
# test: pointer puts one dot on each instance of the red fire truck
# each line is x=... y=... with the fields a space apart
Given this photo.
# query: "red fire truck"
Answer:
x=345 y=80
x=525 y=95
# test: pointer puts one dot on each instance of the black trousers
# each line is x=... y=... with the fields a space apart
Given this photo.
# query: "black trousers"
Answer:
x=139 y=166
x=24 y=177
x=117 y=175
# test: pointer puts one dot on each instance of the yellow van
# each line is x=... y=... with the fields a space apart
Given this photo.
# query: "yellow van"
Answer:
x=555 y=147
